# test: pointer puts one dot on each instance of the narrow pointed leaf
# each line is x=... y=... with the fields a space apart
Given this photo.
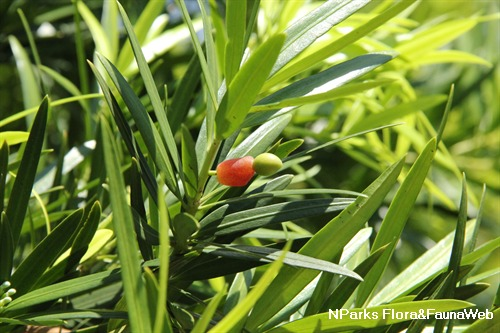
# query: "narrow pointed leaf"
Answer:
x=325 y=244
x=220 y=224
x=243 y=90
x=21 y=190
x=265 y=254
x=241 y=310
x=45 y=253
x=149 y=83
x=63 y=289
x=380 y=316
x=134 y=287
x=396 y=217
x=313 y=25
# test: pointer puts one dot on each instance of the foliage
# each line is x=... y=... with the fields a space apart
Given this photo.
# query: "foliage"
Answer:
x=112 y=218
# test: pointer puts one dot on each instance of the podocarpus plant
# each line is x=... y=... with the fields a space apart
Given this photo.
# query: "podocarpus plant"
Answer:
x=188 y=248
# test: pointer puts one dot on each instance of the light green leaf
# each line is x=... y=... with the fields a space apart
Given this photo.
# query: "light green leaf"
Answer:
x=235 y=25
x=207 y=315
x=429 y=40
x=426 y=266
x=448 y=56
x=396 y=217
x=335 y=46
x=397 y=112
x=99 y=36
x=161 y=325
x=247 y=83
x=307 y=29
x=141 y=28
x=13 y=137
x=380 y=316
x=29 y=84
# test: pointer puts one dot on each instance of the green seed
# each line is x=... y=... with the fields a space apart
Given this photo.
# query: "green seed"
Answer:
x=267 y=164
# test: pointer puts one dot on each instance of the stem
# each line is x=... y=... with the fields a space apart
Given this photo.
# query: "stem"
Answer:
x=204 y=175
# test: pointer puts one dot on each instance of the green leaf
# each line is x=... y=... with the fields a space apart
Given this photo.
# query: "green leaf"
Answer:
x=458 y=242
x=76 y=314
x=444 y=119
x=134 y=287
x=46 y=253
x=427 y=40
x=207 y=315
x=86 y=233
x=335 y=93
x=233 y=318
x=379 y=316
x=347 y=287
x=189 y=163
x=21 y=190
x=330 y=78
x=236 y=11
x=150 y=135
x=162 y=322
x=99 y=36
x=6 y=248
x=181 y=101
x=141 y=28
x=325 y=244
x=315 y=86
x=218 y=223
x=247 y=83
x=265 y=254
x=29 y=84
x=149 y=83
x=284 y=149
x=426 y=266
x=336 y=45
x=396 y=217
x=307 y=29
x=397 y=112
x=63 y=289
x=205 y=66
x=485 y=324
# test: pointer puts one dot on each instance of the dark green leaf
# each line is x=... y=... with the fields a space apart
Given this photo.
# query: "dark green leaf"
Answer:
x=21 y=190
x=149 y=83
x=45 y=253
x=266 y=255
x=6 y=248
x=183 y=95
x=218 y=223
x=148 y=131
x=134 y=288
